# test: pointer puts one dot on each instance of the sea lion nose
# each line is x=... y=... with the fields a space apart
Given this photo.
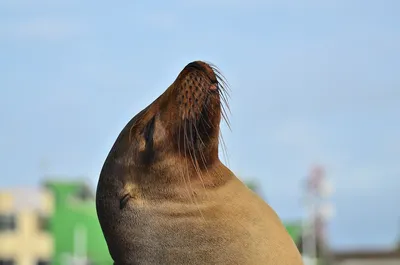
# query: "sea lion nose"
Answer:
x=213 y=87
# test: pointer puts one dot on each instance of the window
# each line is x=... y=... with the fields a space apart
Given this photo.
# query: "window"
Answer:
x=43 y=223
x=84 y=193
x=42 y=262
x=7 y=223
x=6 y=262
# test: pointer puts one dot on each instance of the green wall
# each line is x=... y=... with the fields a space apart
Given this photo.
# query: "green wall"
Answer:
x=74 y=208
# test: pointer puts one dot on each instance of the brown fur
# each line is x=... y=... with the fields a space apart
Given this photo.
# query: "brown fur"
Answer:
x=164 y=197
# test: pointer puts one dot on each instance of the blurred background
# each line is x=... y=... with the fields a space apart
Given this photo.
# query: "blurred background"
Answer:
x=315 y=106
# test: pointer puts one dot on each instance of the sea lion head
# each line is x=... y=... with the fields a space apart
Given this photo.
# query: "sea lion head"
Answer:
x=182 y=126
x=168 y=152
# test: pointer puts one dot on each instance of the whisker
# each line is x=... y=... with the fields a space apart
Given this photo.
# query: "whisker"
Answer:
x=200 y=150
x=186 y=140
x=224 y=149
x=182 y=173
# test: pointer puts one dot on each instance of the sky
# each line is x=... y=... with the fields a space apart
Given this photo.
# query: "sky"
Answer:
x=312 y=82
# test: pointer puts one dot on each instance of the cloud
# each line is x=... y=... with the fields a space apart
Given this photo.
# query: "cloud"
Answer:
x=348 y=167
x=298 y=135
x=251 y=4
x=43 y=29
x=24 y=4
x=160 y=20
x=365 y=192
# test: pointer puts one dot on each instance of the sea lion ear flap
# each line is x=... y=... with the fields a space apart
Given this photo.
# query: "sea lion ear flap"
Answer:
x=146 y=135
x=148 y=131
x=147 y=150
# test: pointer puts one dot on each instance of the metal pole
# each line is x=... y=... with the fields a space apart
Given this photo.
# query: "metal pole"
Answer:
x=308 y=235
x=79 y=255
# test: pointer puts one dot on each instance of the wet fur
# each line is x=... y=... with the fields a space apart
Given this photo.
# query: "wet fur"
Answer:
x=164 y=197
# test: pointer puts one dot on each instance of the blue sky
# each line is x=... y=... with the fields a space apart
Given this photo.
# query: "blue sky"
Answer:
x=312 y=82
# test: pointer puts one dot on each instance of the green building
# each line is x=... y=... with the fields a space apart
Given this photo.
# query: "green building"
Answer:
x=76 y=230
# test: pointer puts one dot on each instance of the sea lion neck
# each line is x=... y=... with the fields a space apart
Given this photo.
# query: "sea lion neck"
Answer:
x=172 y=180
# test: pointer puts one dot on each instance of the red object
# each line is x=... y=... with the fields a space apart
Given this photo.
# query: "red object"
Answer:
x=315 y=179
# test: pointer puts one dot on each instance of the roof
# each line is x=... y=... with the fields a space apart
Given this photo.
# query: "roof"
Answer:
x=367 y=254
x=26 y=198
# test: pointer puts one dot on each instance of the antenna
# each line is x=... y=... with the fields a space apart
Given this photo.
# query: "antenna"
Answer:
x=318 y=190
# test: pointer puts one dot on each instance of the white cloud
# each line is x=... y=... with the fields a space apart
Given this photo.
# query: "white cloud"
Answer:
x=300 y=136
x=42 y=29
x=24 y=4
x=287 y=4
x=160 y=20
x=351 y=173
x=364 y=192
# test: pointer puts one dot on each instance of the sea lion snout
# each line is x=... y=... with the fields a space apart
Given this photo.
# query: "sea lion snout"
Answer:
x=197 y=90
x=191 y=110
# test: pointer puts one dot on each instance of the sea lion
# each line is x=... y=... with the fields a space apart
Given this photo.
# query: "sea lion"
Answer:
x=164 y=197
